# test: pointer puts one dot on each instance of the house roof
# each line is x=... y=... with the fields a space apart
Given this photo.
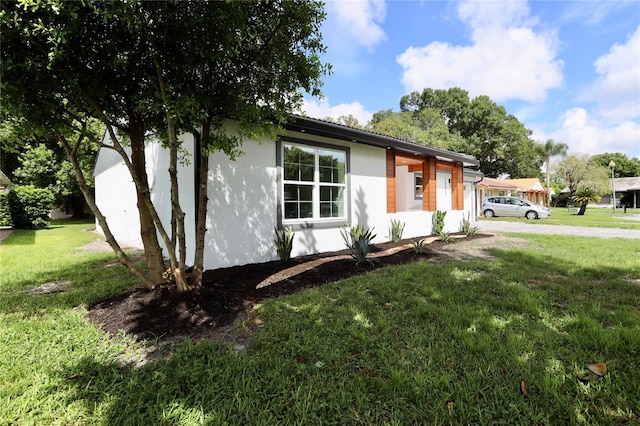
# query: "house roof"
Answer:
x=627 y=184
x=527 y=184
x=488 y=182
x=338 y=131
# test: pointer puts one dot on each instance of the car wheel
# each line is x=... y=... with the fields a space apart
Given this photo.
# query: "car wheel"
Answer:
x=489 y=213
x=531 y=215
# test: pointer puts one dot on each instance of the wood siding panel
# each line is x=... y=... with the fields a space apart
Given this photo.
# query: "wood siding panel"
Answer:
x=429 y=185
x=391 y=181
x=457 y=187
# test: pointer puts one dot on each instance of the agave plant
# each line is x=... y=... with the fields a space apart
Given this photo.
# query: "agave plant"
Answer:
x=437 y=222
x=396 y=229
x=284 y=242
x=358 y=240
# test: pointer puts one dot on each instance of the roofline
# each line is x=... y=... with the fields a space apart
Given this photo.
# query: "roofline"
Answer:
x=350 y=134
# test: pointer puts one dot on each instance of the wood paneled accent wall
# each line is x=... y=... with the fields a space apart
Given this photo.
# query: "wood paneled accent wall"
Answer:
x=457 y=187
x=429 y=184
x=391 y=181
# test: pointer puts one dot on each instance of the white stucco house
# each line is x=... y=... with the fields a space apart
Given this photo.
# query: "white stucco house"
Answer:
x=315 y=177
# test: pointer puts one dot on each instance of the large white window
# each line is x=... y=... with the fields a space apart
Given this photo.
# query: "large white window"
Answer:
x=314 y=182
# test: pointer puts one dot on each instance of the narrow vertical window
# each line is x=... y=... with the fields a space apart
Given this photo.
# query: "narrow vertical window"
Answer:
x=418 y=187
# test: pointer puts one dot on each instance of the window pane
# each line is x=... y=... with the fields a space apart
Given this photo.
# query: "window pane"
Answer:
x=332 y=166
x=306 y=193
x=298 y=163
x=291 y=210
x=331 y=201
x=306 y=173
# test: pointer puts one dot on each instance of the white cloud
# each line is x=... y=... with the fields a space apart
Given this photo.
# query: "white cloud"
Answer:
x=352 y=26
x=617 y=89
x=584 y=133
x=507 y=58
x=322 y=109
x=358 y=21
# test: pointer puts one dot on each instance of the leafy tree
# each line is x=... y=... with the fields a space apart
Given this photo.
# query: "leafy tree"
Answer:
x=551 y=149
x=346 y=120
x=625 y=166
x=579 y=172
x=478 y=127
x=165 y=67
x=583 y=197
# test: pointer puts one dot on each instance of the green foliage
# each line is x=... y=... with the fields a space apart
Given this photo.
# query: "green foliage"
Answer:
x=396 y=229
x=5 y=209
x=419 y=246
x=450 y=119
x=358 y=241
x=625 y=166
x=444 y=236
x=583 y=197
x=284 y=242
x=467 y=228
x=437 y=222
x=30 y=207
x=580 y=171
x=39 y=166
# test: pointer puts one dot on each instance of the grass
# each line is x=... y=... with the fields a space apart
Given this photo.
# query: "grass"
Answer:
x=593 y=217
x=419 y=344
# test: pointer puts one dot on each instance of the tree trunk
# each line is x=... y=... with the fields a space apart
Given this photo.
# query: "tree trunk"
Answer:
x=88 y=195
x=583 y=208
x=201 y=193
x=177 y=215
x=152 y=249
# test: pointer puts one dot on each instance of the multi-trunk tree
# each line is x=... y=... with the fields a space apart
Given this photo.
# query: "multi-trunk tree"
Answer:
x=158 y=69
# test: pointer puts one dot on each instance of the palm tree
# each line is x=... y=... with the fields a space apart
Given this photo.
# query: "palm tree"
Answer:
x=550 y=149
x=584 y=196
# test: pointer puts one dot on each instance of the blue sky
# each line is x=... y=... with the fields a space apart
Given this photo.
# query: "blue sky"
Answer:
x=569 y=70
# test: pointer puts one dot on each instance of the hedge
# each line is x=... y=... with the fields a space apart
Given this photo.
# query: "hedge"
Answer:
x=30 y=207
x=5 y=210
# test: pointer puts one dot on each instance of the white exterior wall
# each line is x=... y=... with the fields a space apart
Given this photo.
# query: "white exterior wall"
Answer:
x=243 y=197
x=117 y=200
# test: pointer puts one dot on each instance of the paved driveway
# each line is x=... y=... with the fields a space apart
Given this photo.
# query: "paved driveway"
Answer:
x=538 y=227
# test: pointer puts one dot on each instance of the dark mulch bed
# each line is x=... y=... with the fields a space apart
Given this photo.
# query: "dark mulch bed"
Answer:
x=228 y=293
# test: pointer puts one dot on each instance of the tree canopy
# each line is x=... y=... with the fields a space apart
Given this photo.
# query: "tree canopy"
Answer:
x=158 y=68
x=449 y=119
x=624 y=166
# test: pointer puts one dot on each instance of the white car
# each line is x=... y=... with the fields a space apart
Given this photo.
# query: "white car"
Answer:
x=512 y=206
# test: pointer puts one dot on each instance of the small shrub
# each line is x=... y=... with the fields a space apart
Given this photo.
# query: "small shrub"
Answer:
x=466 y=228
x=358 y=241
x=437 y=221
x=30 y=207
x=396 y=229
x=5 y=210
x=444 y=236
x=419 y=246
x=284 y=242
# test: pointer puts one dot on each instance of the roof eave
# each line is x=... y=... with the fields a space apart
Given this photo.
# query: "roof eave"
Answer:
x=338 y=131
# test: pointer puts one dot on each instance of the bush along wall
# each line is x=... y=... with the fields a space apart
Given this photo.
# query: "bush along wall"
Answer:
x=5 y=211
x=30 y=207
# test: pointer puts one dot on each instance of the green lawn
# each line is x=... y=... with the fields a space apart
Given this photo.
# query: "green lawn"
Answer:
x=593 y=217
x=427 y=343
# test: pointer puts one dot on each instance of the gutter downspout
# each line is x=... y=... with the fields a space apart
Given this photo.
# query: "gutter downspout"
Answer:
x=197 y=162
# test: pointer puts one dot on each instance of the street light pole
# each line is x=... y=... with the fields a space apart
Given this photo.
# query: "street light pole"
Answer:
x=612 y=166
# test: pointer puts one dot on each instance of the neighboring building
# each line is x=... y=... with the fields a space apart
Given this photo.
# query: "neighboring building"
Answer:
x=627 y=192
x=315 y=177
x=528 y=189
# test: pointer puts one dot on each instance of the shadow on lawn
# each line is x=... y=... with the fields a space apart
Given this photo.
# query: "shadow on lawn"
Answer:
x=218 y=385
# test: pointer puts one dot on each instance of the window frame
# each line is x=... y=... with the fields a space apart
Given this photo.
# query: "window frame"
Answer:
x=417 y=175
x=313 y=222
